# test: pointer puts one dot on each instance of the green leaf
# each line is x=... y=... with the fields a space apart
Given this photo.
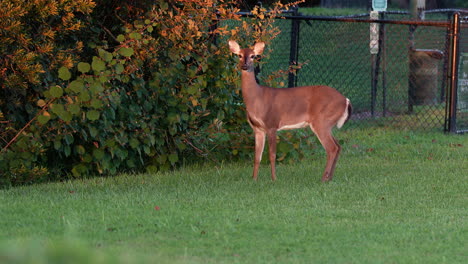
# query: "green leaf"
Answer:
x=285 y=147
x=149 y=29
x=64 y=73
x=93 y=131
x=96 y=87
x=69 y=139
x=79 y=170
x=84 y=96
x=127 y=52
x=76 y=86
x=135 y=35
x=162 y=159
x=57 y=109
x=120 y=38
x=98 y=154
x=121 y=153
x=147 y=150
x=110 y=143
x=151 y=169
x=84 y=67
x=56 y=91
x=87 y=158
x=97 y=64
x=192 y=89
x=119 y=68
x=173 y=158
x=67 y=150
x=106 y=56
x=181 y=146
x=74 y=109
x=173 y=117
x=131 y=163
x=96 y=103
x=57 y=144
x=66 y=116
x=80 y=149
x=43 y=119
x=92 y=115
x=134 y=143
x=103 y=78
x=204 y=102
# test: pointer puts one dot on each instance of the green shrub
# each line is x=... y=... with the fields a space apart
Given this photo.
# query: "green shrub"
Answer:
x=163 y=95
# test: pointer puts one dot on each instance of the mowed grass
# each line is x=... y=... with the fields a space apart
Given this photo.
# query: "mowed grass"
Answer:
x=397 y=197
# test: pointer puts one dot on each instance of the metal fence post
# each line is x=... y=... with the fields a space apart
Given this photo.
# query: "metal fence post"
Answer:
x=383 y=50
x=294 y=47
x=375 y=67
x=412 y=29
x=374 y=73
x=451 y=119
x=443 y=91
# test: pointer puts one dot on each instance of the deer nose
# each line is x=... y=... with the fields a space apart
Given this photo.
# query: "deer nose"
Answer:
x=244 y=67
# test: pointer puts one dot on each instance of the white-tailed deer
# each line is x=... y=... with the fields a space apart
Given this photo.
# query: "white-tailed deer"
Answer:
x=271 y=109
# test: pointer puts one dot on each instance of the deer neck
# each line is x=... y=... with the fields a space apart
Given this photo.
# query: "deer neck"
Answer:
x=251 y=90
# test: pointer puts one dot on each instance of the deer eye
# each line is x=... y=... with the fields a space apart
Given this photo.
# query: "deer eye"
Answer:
x=252 y=56
x=240 y=56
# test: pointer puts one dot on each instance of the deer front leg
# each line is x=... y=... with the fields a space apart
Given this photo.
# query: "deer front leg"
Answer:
x=259 y=145
x=272 y=150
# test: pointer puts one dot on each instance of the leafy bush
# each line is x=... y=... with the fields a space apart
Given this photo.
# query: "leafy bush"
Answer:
x=38 y=37
x=164 y=94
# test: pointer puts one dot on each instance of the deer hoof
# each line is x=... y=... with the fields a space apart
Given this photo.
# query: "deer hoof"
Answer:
x=326 y=178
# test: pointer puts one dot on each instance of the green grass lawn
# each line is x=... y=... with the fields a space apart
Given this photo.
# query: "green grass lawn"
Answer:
x=397 y=197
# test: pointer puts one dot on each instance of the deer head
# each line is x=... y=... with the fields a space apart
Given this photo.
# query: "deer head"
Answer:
x=246 y=56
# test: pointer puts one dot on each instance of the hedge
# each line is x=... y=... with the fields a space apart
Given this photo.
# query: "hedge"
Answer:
x=148 y=90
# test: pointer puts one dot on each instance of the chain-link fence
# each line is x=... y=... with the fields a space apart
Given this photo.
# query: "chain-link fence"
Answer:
x=461 y=117
x=401 y=79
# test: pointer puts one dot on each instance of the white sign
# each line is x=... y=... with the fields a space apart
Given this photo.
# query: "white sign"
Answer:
x=379 y=5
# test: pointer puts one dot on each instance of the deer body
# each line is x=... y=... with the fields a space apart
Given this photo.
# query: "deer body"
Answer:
x=272 y=109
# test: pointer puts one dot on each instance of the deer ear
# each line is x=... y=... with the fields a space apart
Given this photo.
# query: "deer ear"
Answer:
x=258 y=48
x=234 y=47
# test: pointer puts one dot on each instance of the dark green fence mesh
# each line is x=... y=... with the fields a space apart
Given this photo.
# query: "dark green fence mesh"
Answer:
x=462 y=88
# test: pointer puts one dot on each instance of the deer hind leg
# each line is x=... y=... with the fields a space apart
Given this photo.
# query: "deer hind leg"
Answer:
x=259 y=145
x=272 y=152
x=332 y=148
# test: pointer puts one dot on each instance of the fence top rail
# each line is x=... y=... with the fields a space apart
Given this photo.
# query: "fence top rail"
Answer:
x=447 y=10
x=363 y=20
